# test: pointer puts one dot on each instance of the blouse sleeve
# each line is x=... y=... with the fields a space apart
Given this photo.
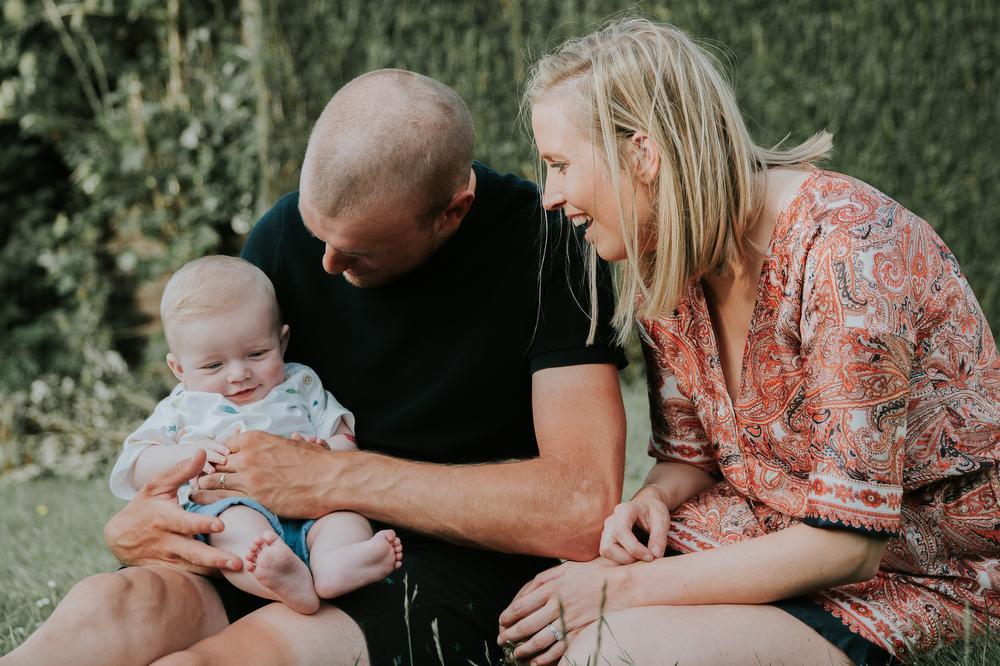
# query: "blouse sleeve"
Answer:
x=676 y=431
x=856 y=354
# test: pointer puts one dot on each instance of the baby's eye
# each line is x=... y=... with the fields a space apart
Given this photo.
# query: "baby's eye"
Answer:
x=256 y=354
x=212 y=366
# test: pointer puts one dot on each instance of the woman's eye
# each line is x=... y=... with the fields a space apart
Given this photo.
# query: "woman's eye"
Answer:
x=560 y=167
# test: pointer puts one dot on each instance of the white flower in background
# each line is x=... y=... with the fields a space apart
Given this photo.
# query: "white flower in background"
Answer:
x=190 y=136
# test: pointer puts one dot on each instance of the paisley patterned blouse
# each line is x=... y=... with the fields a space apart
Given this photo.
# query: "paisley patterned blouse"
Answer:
x=869 y=400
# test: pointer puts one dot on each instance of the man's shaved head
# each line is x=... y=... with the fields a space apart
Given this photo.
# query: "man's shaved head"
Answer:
x=389 y=136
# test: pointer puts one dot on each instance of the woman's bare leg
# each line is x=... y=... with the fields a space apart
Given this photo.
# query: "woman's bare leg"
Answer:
x=277 y=635
x=132 y=616
x=717 y=635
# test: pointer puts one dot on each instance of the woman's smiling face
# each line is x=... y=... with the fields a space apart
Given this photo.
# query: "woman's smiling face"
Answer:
x=576 y=179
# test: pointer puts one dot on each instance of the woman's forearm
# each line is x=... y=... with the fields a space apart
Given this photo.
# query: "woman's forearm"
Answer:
x=675 y=483
x=794 y=561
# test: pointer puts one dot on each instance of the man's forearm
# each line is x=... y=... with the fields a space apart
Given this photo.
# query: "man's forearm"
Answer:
x=538 y=506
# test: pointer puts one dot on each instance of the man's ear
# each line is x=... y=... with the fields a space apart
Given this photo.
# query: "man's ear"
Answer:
x=175 y=367
x=284 y=338
x=455 y=211
x=647 y=158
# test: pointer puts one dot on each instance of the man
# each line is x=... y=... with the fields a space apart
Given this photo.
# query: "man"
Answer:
x=435 y=303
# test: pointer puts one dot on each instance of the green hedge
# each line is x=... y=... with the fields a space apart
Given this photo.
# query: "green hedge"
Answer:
x=137 y=134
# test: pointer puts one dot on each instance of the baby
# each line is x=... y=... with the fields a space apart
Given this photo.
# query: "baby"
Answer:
x=226 y=339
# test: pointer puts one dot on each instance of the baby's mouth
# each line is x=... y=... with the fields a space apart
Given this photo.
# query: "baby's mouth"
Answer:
x=241 y=395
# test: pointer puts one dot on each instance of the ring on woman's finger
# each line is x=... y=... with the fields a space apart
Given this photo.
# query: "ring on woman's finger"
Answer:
x=555 y=632
x=222 y=481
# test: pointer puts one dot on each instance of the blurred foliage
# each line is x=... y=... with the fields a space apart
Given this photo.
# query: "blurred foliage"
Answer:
x=138 y=134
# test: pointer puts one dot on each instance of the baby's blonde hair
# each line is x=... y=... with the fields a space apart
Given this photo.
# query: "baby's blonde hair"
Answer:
x=637 y=77
x=211 y=285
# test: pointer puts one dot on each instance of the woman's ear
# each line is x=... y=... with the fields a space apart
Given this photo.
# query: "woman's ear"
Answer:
x=175 y=367
x=647 y=158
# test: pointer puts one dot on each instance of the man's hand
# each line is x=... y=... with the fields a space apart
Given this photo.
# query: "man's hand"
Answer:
x=154 y=529
x=290 y=477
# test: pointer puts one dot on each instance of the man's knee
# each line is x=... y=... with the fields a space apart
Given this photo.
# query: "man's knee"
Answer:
x=135 y=595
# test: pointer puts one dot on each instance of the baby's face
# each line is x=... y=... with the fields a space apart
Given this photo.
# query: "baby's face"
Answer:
x=236 y=353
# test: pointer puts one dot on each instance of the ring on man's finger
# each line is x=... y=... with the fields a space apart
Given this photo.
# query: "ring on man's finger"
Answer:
x=222 y=481
x=555 y=632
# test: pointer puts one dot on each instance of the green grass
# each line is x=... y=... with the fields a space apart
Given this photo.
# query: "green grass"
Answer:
x=50 y=537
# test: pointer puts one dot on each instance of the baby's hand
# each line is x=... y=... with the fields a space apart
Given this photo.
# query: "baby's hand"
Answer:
x=215 y=451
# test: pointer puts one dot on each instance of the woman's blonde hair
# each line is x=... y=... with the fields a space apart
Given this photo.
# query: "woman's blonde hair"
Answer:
x=637 y=77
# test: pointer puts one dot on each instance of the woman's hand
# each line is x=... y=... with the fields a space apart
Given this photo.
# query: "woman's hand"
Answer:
x=154 y=529
x=560 y=602
x=646 y=510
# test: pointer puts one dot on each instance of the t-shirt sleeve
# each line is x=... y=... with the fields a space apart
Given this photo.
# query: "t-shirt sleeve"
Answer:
x=676 y=433
x=563 y=321
x=856 y=357
x=325 y=411
x=162 y=427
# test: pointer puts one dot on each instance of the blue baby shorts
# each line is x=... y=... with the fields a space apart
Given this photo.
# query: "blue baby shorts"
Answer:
x=292 y=531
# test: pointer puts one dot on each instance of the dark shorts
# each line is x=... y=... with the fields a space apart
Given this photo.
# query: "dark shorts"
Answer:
x=857 y=648
x=441 y=606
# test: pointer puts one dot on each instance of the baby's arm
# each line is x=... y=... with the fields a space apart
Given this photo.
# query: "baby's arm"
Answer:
x=158 y=457
x=343 y=438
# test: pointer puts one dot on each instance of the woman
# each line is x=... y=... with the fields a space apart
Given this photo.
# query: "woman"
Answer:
x=823 y=384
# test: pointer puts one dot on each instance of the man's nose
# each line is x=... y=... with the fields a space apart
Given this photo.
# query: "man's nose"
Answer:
x=335 y=262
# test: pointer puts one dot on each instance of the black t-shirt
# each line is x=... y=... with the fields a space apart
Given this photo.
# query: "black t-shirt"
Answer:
x=436 y=365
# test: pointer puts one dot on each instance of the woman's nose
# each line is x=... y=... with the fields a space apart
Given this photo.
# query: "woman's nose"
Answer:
x=552 y=197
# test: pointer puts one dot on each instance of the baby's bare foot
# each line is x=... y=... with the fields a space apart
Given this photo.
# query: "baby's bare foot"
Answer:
x=347 y=568
x=277 y=568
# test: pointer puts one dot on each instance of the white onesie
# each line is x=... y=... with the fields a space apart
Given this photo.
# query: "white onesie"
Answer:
x=297 y=405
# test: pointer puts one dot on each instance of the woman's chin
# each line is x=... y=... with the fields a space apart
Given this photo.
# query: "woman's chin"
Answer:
x=609 y=254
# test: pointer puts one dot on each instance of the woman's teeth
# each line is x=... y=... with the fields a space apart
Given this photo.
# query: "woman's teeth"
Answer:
x=582 y=221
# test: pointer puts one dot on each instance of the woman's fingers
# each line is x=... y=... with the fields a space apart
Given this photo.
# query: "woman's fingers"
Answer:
x=617 y=554
x=618 y=530
x=554 y=653
x=628 y=541
x=657 y=524
x=532 y=632
x=522 y=607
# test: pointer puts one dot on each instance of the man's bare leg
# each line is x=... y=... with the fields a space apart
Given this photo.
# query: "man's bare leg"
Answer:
x=132 y=616
x=278 y=635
